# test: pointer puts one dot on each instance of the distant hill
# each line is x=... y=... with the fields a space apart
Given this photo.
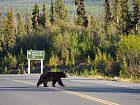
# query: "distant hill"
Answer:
x=47 y=1
x=92 y=6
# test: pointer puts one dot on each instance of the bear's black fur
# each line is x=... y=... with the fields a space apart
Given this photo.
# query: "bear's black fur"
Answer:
x=51 y=76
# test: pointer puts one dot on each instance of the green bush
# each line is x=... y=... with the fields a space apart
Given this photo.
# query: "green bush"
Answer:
x=55 y=70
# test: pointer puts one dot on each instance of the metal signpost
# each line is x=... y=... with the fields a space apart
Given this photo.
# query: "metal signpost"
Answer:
x=35 y=55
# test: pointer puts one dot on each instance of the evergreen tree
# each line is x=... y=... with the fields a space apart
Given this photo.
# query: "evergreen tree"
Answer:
x=35 y=18
x=3 y=34
x=93 y=23
x=107 y=17
x=123 y=68
x=10 y=34
x=115 y=12
x=74 y=41
x=82 y=19
x=52 y=13
x=65 y=56
x=61 y=12
x=28 y=24
x=136 y=14
x=88 y=59
x=44 y=18
x=20 y=27
x=1 y=42
x=13 y=61
x=21 y=59
x=124 y=19
x=101 y=63
x=74 y=47
x=2 y=28
x=72 y=56
x=106 y=65
x=98 y=55
x=53 y=61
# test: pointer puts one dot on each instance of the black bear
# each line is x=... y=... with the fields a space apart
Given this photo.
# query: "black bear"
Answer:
x=51 y=76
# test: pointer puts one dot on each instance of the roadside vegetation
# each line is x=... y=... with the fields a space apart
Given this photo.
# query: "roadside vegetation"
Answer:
x=83 y=44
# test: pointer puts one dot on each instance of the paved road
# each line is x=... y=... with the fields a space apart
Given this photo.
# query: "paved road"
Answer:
x=22 y=90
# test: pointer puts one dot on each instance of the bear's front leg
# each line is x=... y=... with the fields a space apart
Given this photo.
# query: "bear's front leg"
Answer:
x=60 y=82
x=45 y=83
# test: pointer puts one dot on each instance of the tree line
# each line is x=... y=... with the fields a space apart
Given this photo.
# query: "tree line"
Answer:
x=107 y=45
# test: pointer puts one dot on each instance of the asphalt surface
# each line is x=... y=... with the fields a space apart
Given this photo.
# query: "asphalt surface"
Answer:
x=22 y=90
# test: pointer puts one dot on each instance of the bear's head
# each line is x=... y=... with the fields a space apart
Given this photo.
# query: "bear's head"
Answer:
x=63 y=75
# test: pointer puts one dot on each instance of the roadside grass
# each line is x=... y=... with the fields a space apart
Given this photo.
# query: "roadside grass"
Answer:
x=96 y=75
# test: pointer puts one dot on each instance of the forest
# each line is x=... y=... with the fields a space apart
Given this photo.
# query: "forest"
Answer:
x=80 y=37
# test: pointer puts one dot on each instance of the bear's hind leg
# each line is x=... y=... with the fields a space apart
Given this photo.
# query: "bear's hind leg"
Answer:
x=53 y=83
x=39 y=83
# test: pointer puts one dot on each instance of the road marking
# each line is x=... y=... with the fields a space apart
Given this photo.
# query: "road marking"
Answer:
x=75 y=93
x=24 y=82
x=90 y=98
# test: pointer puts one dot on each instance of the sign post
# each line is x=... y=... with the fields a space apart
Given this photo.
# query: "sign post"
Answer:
x=41 y=66
x=28 y=66
x=35 y=55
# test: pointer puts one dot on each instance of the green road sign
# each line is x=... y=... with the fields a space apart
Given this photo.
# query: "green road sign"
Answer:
x=35 y=54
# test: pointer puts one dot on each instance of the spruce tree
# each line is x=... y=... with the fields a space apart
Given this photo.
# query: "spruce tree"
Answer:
x=20 y=27
x=107 y=17
x=98 y=55
x=136 y=14
x=93 y=23
x=28 y=24
x=82 y=19
x=61 y=12
x=123 y=68
x=43 y=16
x=1 y=42
x=52 y=13
x=65 y=56
x=72 y=56
x=124 y=19
x=35 y=18
x=10 y=34
x=88 y=59
x=3 y=36
x=1 y=33
x=115 y=7
x=53 y=61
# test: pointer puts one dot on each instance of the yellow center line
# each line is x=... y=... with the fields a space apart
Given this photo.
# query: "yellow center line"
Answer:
x=75 y=93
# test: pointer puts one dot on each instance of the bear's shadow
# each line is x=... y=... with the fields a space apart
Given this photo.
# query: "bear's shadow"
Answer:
x=24 y=89
x=70 y=88
x=102 y=89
